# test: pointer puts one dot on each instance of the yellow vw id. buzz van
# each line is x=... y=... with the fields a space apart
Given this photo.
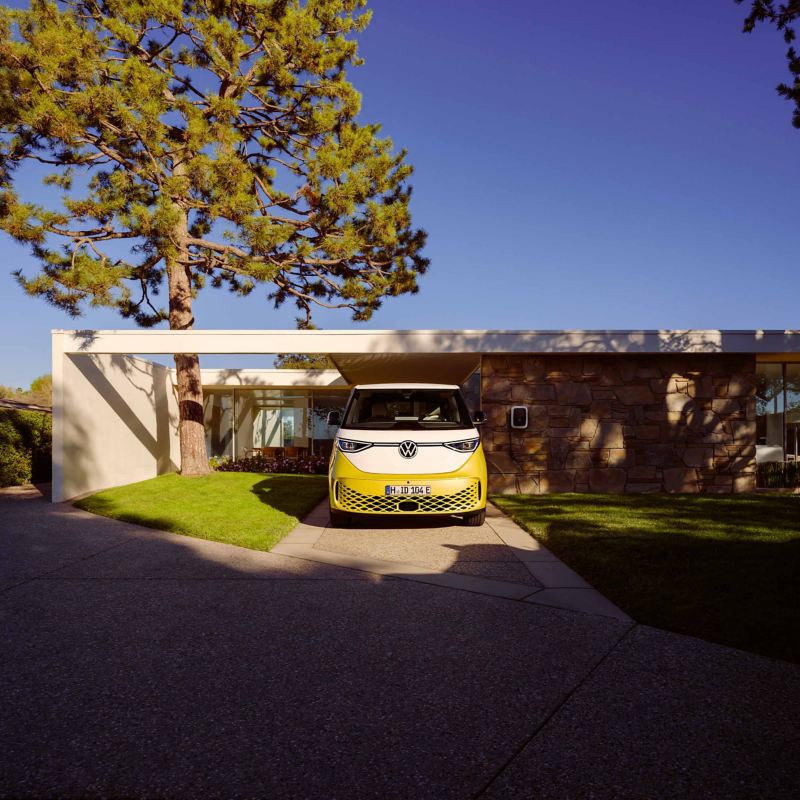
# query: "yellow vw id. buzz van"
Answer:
x=407 y=449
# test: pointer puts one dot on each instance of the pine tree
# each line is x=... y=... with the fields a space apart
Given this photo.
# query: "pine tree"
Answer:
x=783 y=16
x=206 y=142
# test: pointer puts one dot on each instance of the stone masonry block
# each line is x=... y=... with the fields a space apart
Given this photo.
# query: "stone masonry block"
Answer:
x=726 y=406
x=573 y=393
x=741 y=385
x=635 y=395
x=743 y=431
x=498 y=415
x=608 y=435
x=557 y=480
x=580 y=460
x=619 y=457
x=499 y=389
x=677 y=479
x=642 y=473
x=744 y=483
x=502 y=484
x=680 y=403
x=607 y=480
x=528 y=484
x=534 y=369
x=526 y=393
x=588 y=428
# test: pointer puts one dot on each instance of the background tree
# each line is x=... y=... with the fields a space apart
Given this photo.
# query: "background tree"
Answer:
x=304 y=361
x=783 y=16
x=206 y=142
x=40 y=392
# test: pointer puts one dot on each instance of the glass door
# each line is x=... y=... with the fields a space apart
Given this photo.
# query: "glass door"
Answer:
x=271 y=422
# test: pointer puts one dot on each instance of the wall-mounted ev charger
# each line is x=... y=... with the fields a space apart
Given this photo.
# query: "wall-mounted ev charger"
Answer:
x=519 y=417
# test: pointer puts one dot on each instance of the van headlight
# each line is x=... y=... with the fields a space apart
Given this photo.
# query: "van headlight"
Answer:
x=352 y=446
x=465 y=446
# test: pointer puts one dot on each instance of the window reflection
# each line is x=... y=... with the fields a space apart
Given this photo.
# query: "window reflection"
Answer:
x=471 y=391
x=243 y=422
x=777 y=412
x=793 y=412
x=271 y=422
x=322 y=433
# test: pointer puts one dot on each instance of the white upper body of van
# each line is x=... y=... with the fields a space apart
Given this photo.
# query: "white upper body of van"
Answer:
x=407 y=428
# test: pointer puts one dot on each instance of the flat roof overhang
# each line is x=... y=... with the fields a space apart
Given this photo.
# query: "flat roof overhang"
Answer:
x=427 y=355
x=370 y=356
x=339 y=343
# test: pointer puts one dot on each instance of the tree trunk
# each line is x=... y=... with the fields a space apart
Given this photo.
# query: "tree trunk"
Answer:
x=194 y=459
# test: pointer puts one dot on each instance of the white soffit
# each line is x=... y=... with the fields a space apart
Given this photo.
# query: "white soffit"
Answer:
x=343 y=342
x=278 y=378
x=406 y=367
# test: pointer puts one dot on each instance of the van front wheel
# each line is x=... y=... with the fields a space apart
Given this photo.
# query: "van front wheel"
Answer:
x=475 y=520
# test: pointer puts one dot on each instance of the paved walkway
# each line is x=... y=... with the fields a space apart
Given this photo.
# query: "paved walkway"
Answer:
x=138 y=663
x=499 y=559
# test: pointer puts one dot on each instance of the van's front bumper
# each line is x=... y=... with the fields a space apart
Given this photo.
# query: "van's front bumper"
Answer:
x=459 y=492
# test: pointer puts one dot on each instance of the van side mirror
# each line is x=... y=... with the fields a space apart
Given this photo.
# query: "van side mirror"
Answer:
x=479 y=417
x=334 y=418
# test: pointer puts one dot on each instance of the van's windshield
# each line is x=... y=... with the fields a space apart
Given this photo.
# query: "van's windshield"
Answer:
x=407 y=409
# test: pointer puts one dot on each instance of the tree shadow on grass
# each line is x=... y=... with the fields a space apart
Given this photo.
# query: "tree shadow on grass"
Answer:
x=724 y=569
x=295 y=495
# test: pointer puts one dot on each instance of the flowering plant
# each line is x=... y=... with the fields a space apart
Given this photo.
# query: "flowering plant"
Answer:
x=304 y=465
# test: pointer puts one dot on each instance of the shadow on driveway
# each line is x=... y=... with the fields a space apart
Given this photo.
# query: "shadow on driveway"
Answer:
x=139 y=663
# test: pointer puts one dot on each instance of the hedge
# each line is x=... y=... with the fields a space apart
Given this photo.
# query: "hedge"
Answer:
x=25 y=446
x=778 y=475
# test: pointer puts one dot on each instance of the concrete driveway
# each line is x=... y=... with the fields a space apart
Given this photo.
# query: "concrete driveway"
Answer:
x=137 y=663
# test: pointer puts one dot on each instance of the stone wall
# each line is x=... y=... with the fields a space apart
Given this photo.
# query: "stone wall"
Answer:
x=675 y=423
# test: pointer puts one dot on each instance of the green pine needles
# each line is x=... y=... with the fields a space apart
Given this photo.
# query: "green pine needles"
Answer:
x=784 y=17
x=201 y=142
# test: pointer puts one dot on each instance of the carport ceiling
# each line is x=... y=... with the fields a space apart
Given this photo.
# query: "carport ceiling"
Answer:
x=406 y=367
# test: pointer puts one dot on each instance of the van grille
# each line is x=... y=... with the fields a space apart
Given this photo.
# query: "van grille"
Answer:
x=463 y=500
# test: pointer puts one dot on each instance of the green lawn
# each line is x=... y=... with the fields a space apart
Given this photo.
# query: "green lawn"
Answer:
x=726 y=569
x=242 y=508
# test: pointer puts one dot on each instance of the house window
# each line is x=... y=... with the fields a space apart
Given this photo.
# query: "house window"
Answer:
x=777 y=412
x=271 y=421
x=793 y=412
x=244 y=421
x=322 y=434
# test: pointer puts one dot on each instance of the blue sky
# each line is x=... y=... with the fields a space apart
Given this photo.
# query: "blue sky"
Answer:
x=587 y=165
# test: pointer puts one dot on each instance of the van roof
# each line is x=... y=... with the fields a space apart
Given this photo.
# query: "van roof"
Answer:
x=407 y=386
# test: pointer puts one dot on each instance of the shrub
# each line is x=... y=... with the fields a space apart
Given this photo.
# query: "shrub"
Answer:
x=15 y=466
x=778 y=475
x=305 y=465
x=25 y=447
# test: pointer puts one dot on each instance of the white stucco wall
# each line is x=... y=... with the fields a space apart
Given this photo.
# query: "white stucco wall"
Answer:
x=117 y=423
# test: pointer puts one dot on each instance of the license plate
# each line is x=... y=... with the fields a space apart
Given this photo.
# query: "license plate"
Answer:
x=407 y=489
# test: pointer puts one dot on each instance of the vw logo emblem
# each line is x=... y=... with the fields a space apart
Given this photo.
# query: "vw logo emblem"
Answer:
x=408 y=449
